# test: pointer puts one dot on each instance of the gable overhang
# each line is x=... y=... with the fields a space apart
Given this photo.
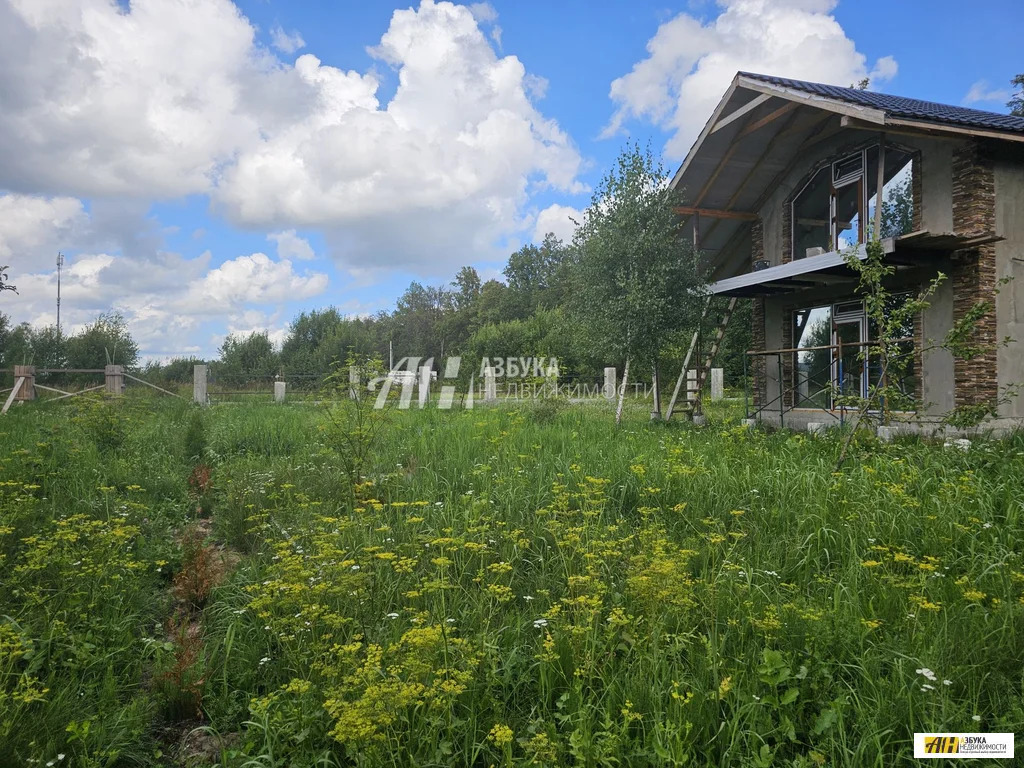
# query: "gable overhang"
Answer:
x=748 y=145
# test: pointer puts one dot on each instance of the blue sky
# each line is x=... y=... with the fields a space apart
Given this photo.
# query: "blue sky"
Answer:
x=210 y=167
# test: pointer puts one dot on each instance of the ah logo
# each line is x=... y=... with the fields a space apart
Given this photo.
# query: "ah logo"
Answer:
x=945 y=745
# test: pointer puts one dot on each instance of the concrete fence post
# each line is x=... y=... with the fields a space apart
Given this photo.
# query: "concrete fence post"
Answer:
x=717 y=384
x=610 y=385
x=424 y=385
x=28 y=387
x=114 y=377
x=490 y=386
x=279 y=391
x=353 y=383
x=199 y=384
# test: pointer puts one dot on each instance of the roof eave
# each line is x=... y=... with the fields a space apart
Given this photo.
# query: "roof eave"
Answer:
x=705 y=132
x=867 y=114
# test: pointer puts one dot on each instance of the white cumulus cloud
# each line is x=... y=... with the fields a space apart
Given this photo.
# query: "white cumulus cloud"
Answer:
x=286 y=42
x=167 y=98
x=559 y=220
x=33 y=229
x=981 y=91
x=690 y=63
x=291 y=246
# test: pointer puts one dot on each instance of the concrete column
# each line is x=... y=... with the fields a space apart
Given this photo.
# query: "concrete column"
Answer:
x=28 y=387
x=279 y=391
x=610 y=384
x=717 y=384
x=114 y=375
x=353 y=383
x=424 y=385
x=490 y=386
x=199 y=384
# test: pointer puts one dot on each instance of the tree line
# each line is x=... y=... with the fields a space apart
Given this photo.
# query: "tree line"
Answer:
x=624 y=288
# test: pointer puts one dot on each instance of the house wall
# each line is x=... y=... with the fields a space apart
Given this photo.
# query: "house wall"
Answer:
x=933 y=191
x=1009 y=215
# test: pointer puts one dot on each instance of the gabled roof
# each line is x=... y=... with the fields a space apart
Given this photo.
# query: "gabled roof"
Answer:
x=764 y=125
x=900 y=106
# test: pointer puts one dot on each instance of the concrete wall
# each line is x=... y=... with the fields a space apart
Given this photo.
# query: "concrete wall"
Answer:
x=936 y=182
x=937 y=391
x=1009 y=185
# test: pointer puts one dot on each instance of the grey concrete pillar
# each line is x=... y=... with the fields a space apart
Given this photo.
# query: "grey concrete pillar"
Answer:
x=279 y=391
x=490 y=386
x=424 y=385
x=610 y=383
x=199 y=384
x=353 y=383
x=717 y=384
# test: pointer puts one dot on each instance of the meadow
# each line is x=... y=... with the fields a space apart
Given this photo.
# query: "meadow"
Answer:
x=297 y=585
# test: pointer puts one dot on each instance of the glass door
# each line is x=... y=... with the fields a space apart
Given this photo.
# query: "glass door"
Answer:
x=849 y=371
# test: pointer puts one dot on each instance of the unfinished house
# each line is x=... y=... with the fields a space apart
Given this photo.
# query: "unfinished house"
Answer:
x=788 y=176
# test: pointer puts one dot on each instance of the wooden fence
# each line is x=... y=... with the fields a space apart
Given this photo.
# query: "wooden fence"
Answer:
x=25 y=384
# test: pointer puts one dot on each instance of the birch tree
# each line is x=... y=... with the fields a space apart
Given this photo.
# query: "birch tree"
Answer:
x=637 y=280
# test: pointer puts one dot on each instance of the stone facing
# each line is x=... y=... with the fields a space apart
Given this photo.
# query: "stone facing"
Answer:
x=757 y=318
x=916 y=193
x=757 y=366
x=974 y=271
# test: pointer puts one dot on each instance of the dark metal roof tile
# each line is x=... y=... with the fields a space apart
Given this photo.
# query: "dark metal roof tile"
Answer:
x=898 y=106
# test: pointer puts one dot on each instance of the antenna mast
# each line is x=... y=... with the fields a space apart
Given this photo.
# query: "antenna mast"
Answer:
x=60 y=263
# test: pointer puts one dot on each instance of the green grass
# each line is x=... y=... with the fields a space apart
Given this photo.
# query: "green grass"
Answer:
x=505 y=586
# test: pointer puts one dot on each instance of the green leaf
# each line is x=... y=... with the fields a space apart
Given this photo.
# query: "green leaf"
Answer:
x=825 y=720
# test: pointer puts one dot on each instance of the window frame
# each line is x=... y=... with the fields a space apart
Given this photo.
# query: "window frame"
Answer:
x=858 y=177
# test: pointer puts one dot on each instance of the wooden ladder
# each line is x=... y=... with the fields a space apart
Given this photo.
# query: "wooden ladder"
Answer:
x=693 y=396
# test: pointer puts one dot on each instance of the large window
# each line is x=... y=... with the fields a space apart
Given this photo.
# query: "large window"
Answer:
x=834 y=359
x=836 y=208
x=812 y=330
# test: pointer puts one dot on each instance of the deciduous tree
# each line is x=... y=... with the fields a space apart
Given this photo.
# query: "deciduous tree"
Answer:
x=638 y=280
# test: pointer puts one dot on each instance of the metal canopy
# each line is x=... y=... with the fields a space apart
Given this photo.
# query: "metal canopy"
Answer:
x=912 y=249
x=787 y=277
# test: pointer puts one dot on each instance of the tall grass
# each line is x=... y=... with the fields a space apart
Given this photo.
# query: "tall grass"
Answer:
x=503 y=586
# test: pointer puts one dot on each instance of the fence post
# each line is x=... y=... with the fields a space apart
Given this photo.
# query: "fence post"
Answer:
x=279 y=391
x=353 y=383
x=424 y=385
x=199 y=384
x=28 y=388
x=610 y=388
x=114 y=377
x=490 y=386
x=717 y=384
